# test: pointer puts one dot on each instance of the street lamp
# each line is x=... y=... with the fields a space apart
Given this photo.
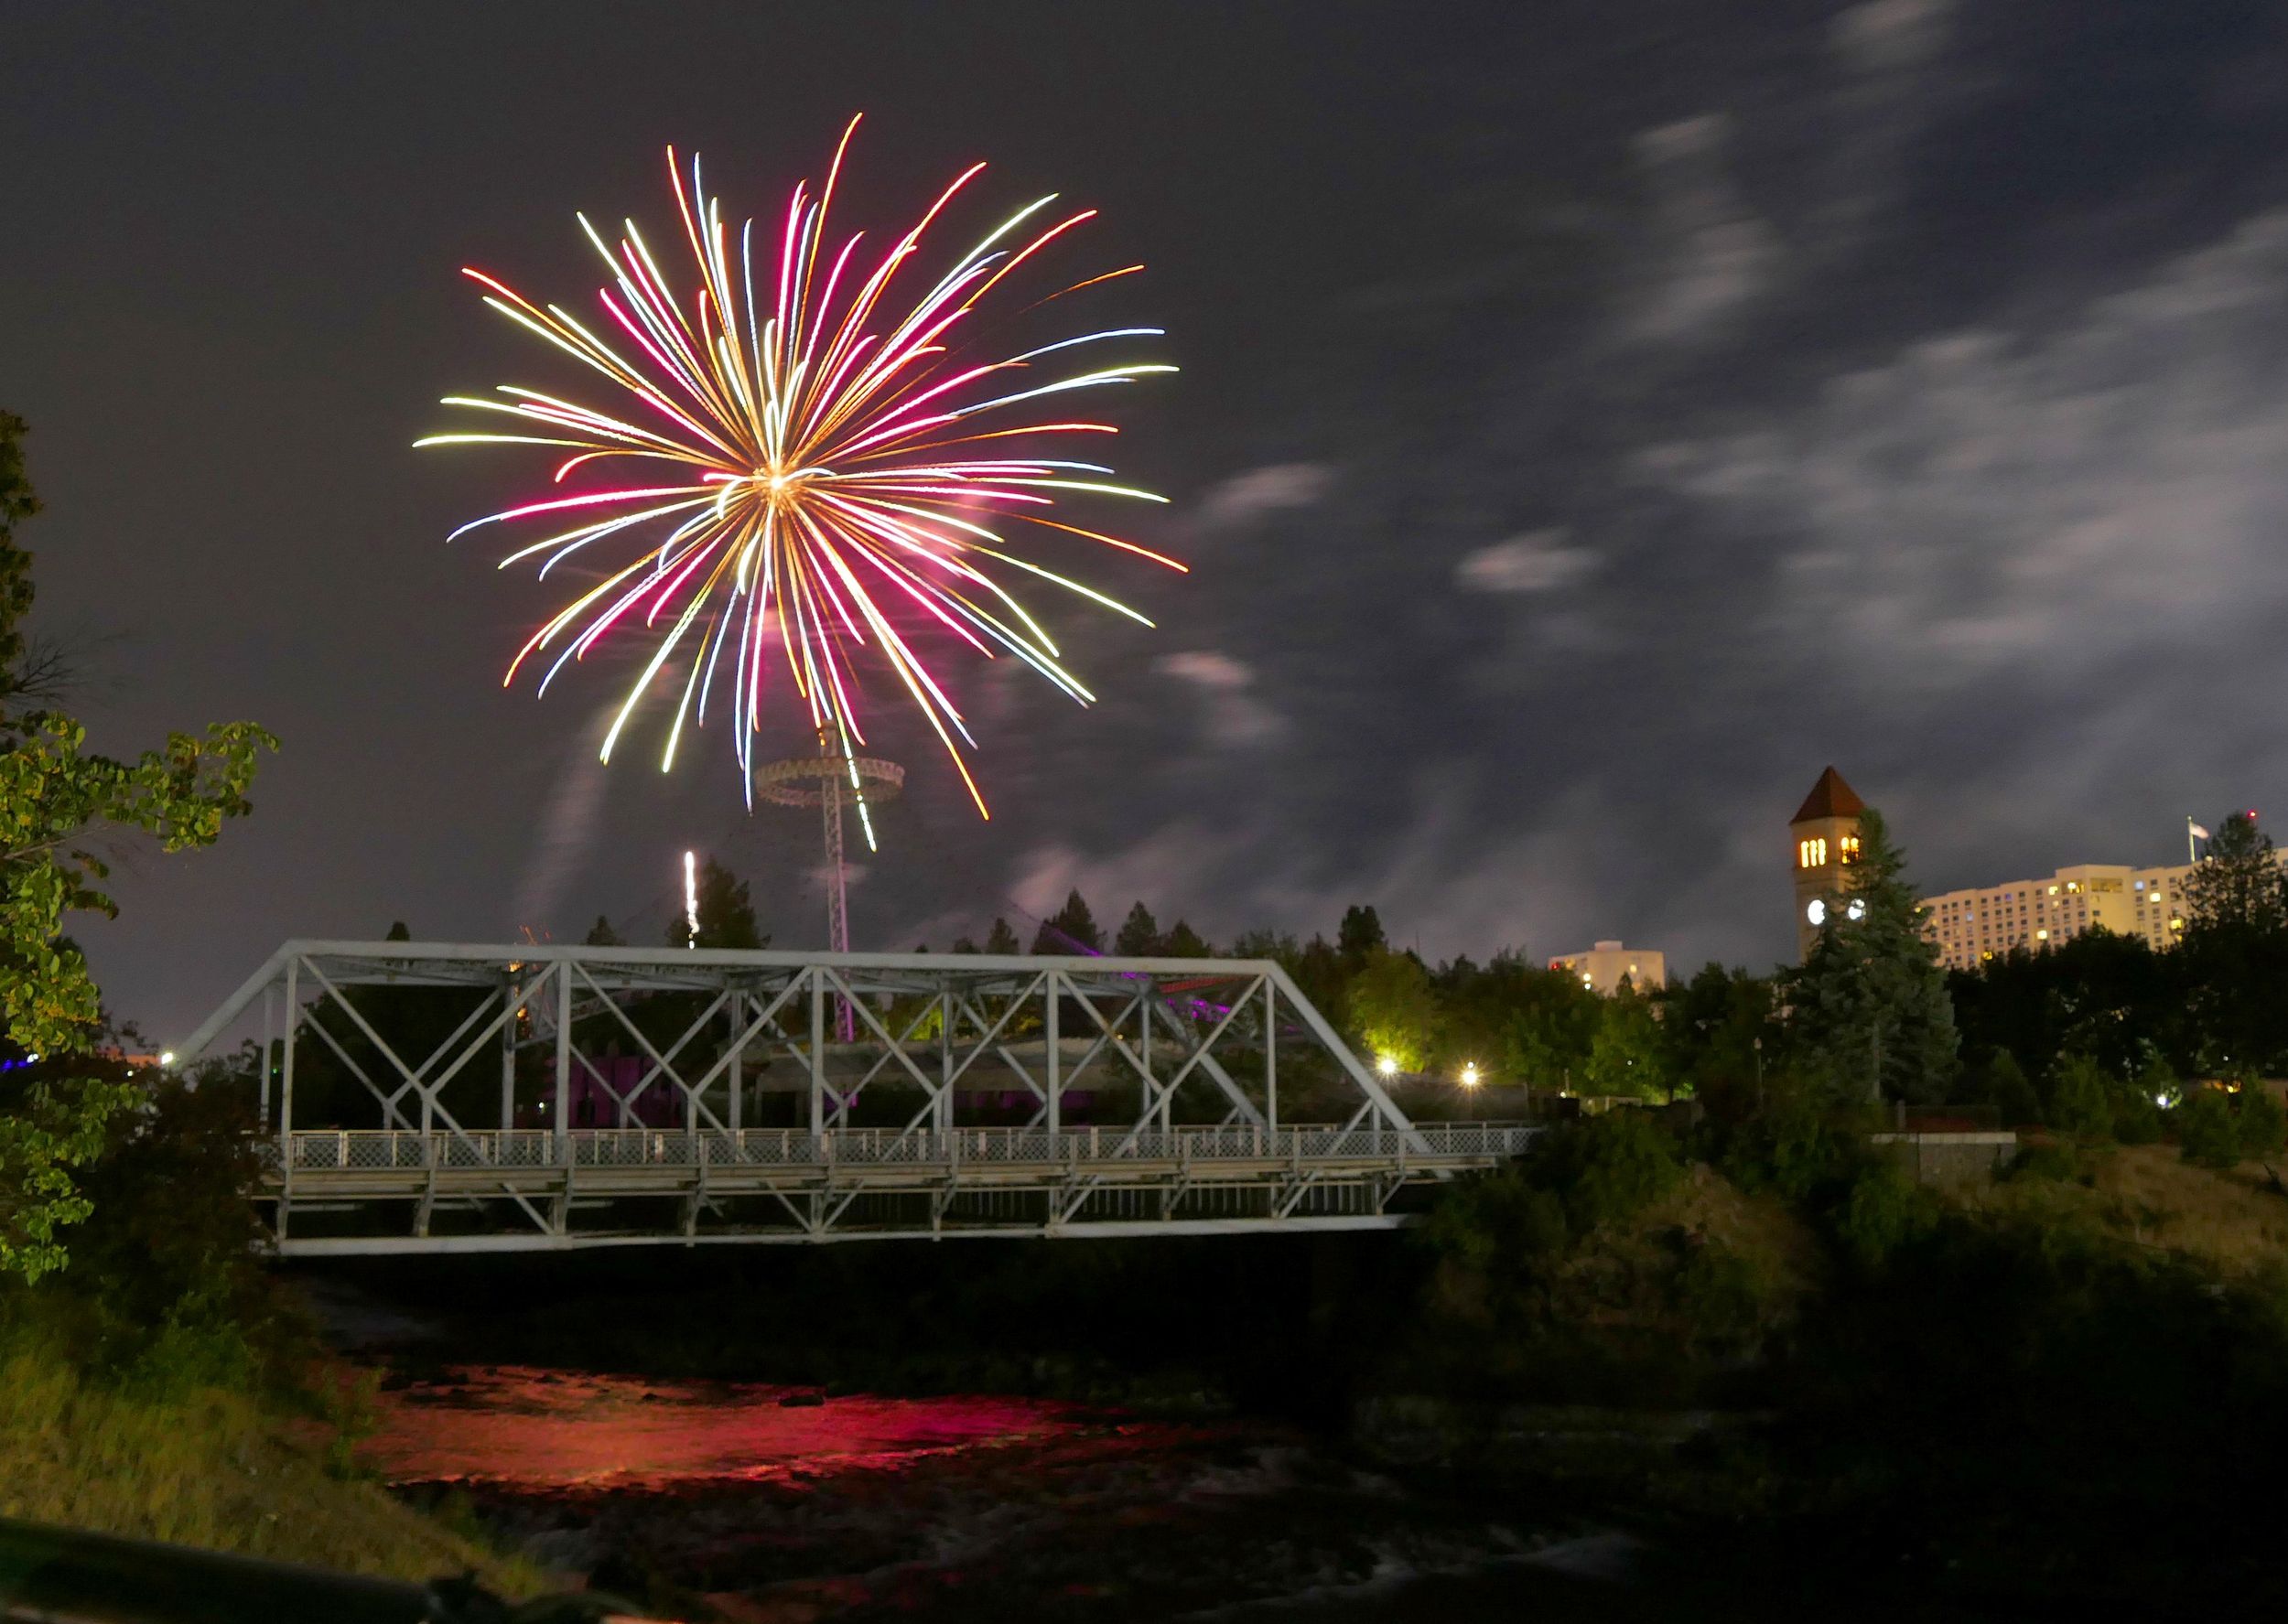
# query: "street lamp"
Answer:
x=1387 y=1065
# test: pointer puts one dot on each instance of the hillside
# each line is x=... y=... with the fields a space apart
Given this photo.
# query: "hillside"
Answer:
x=208 y=1469
x=2233 y=1222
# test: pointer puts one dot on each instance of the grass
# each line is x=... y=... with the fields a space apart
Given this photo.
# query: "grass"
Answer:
x=210 y=1469
x=2231 y=1222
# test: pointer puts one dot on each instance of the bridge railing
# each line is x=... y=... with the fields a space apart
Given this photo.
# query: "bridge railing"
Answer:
x=386 y=1150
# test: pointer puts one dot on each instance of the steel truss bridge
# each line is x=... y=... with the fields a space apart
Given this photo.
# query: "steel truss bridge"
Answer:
x=716 y=1100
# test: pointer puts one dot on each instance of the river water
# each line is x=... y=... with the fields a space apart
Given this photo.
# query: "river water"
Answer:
x=768 y=1503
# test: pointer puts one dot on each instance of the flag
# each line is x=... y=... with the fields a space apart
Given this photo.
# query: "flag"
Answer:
x=2195 y=830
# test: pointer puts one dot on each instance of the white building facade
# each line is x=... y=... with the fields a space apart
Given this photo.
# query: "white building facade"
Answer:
x=1604 y=967
x=1974 y=926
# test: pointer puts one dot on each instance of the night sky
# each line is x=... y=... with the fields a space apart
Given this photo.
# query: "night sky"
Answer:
x=1595 y=419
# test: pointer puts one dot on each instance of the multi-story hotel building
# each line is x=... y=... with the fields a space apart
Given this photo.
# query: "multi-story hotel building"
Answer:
x=1974 y=925
x=1605 y=966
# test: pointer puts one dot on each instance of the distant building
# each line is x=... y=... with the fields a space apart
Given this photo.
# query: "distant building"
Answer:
x=1825 y=834
x=1974 y=925
x=1604 y=967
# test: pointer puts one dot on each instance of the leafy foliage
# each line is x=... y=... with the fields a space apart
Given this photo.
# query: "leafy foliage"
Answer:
x=2081 y=1099
x=1393 y=1011
x=59 y=803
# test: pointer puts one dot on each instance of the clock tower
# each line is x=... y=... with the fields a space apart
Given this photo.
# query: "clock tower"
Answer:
x=1824 y=841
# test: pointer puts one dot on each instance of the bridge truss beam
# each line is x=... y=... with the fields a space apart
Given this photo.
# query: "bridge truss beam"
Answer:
x=664 y=1095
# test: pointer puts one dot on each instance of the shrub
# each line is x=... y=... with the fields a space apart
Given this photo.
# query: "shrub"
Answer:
x=2081 y=1098
x=1606 y=1168
x=1885 y=1211
x=2263 y=1124
x=2136 y=1117
x=2052 y=1161
x=1793 y=1149
x=2208 y=1129
x=2013 y=1095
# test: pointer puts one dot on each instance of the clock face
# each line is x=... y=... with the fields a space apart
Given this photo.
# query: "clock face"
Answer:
x=1816 y=911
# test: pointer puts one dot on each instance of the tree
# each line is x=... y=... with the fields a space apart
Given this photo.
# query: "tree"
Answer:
x=1716 y=1027
x=1000 y=942
x=726 y=916
x=2239 y=885
x=1626 y=1058
x=56 y=801
x=2013 y=1095
x=1870 y=1017
x=2234 y=957
x=601 y=934
x=1184 y=942
x=1551 y=1030
x=1359 y=937
x=1139 y=934
x=1071 y=929
x=1392 y=1010
x=2081 y=1098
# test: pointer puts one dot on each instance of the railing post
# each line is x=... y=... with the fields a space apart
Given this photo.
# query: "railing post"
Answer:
x=1271 y=1054
x=738 y=1017
x=507 y=1055
x=286 y=1062
x=1049 y=1024
x=817 y=1050
x=269 y=1040
x=564 y=1061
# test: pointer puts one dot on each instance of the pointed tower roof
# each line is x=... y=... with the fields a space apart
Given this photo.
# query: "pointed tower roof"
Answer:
x=1829 y=798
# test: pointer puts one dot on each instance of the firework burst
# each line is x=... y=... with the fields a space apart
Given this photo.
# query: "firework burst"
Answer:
x=829 y=469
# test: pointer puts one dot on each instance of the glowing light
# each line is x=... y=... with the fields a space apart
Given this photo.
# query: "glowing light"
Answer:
x=832 y=465
x=168 y=1058
x=691 y=899
x=1855 y=910
x=1469 y=1075
x=1387 y=1065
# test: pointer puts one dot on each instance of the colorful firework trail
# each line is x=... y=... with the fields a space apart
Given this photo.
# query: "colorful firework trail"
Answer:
x=814 y=484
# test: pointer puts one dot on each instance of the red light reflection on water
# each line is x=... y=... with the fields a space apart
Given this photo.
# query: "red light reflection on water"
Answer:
x=544 y=1429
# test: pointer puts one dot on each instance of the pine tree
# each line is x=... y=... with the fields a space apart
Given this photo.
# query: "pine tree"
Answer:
x=1000 y=942
x=1359 y=936
x=1184 y=942
x=726 y=916
x=1139 y=934
x=601 y=934
x=2239 y=887
x=397 y=931
x=1868 y=1012
x=1071 y=929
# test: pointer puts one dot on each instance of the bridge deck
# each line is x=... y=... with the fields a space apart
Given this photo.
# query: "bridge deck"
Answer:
x=490 y=1190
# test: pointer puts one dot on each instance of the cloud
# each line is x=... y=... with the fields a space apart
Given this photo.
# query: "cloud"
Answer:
x=1244 y=497
x=1538 y=560
x=1711 y=252
x=1891 y=36
x=1236 y=717
x=1988 y=501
